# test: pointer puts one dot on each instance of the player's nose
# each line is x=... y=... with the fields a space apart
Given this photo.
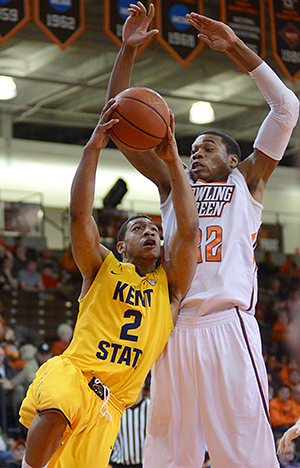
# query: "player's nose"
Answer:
x=197 y=154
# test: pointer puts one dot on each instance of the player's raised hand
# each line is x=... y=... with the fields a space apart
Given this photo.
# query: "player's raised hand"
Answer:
x=215 y=34
x=135 y=29
x=289 y=435
x=100 y=135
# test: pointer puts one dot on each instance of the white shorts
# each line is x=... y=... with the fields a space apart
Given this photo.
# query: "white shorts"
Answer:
x=209 y=387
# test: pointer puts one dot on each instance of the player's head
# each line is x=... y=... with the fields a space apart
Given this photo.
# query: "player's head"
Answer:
x=213 y=156
x=139 y=238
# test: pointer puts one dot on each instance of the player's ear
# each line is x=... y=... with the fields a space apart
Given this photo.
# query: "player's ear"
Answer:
x=234 y=160
x=120 y=247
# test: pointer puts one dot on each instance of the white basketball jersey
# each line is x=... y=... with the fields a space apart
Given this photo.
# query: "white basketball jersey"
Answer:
x=229 y=220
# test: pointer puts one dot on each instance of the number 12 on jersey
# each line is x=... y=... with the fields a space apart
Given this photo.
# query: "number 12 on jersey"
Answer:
x=210 y=244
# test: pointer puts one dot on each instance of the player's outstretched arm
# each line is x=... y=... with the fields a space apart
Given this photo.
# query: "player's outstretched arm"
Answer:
x=135 y=33
x=183 y=249
x=84 y=232
x=275 y=132
x=289 y=435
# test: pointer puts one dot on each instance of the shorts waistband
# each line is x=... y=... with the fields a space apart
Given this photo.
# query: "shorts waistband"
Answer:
x=216 y=318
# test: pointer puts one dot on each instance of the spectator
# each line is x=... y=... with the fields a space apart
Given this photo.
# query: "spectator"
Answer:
x=289 y=267
x=281 y=410
x=3 y=253
x=6 y=372
x=18 y=452
x=19 y=383
x=30 y=278
x=20 y=257
x=46 y=258
x=50 y=279
x=65 y=333
x=296 y=400
x=289 y=374
x=267 y=267
x=280 y=329
x=8 y=280
x=43 y=353
x=10 y=345
x=68 y=266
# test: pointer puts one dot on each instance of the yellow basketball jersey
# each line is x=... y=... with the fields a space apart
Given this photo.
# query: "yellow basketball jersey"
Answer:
x=123 y=324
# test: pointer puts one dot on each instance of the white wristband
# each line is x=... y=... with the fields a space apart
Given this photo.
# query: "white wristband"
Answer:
x=275 y=131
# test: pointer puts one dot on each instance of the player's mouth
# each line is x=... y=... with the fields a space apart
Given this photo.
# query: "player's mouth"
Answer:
x=149 y=243
x=197 y=166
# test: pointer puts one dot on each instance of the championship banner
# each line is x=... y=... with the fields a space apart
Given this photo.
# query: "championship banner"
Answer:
x=176 y=34
x=62 y=20
x=285 y=35
x=247 y=19
x=13 y=15
x=115 y=14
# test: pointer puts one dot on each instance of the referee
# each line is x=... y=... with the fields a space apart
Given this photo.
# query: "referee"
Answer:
x=128 y=448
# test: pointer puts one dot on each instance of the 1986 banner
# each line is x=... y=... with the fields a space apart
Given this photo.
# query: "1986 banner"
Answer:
x=176 y=34
x=285 y=33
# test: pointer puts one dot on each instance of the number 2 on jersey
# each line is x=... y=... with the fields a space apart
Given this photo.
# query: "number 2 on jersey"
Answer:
x=211 y=246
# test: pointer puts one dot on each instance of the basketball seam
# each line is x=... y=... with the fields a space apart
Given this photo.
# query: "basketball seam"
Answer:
x=130 y=146
x=145 y=103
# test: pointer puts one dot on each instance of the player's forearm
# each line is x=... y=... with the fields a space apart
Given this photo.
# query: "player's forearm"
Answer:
x=121 y=72
x=183 y=199
x=83 y=186
x=247 y=58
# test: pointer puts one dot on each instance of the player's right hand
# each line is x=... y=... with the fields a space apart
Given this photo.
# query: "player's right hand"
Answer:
x=100 y=135
x=135 y=29
x=217 y=35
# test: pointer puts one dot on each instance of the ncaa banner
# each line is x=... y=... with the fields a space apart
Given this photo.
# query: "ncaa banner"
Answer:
x=247 y=19
x=62 y=20
x=176 y=34
x=13 y=15
x=115 y=14
x=285 y=35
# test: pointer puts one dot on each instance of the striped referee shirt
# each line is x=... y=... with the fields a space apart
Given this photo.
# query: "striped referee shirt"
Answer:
x=128 y=448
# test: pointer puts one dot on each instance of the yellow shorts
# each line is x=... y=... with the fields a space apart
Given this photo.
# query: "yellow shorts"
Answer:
x=89 y=437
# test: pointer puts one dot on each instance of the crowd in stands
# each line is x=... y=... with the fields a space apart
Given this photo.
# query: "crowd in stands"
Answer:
x=44 y=273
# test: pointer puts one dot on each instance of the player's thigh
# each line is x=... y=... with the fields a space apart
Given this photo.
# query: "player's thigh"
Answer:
x=91 y=447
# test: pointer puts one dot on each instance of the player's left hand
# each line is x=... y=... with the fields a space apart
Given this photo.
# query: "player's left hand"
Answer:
x=100 y=135
x=215 y=34
x=135 y=30
x=167 y=150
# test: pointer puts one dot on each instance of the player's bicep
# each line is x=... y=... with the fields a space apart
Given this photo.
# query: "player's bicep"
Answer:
x=257 y=169
x=87 y=251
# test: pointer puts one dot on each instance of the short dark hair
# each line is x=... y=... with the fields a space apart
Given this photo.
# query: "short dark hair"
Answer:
x=123 y=228
x=232 y=146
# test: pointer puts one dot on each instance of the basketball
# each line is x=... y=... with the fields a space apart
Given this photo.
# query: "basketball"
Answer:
x=143 y=118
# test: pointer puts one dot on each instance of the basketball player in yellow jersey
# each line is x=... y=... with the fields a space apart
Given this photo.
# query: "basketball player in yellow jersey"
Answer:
x=126 y=314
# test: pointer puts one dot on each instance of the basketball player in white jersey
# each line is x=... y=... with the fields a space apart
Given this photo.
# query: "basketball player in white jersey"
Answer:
x=209 y=385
